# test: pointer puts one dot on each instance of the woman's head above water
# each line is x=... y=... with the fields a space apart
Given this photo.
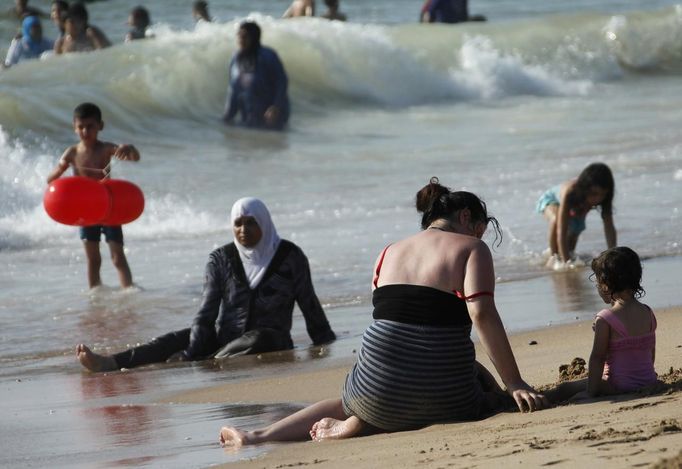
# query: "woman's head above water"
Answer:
x=436 y=202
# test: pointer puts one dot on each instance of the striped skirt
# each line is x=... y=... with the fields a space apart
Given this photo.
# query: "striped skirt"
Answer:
x=410 y=376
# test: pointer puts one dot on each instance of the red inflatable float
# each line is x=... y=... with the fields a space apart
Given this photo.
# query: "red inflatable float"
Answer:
x=127 y=202
x=82 y=201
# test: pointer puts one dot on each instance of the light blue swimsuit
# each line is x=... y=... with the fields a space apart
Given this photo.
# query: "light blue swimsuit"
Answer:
x=576 y=224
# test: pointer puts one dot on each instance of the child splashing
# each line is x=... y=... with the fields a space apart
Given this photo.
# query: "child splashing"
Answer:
x=565 y=207
x=624 y=348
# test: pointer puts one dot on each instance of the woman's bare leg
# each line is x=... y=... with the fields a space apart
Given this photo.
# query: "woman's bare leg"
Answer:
x=295 y=427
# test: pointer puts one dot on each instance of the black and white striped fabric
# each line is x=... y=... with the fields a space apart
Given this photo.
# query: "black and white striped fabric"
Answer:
x=408 y=376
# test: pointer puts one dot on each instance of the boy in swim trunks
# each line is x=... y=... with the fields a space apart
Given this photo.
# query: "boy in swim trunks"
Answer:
x=91 y=158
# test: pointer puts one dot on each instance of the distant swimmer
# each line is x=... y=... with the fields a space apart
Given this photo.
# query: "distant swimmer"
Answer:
x=139 y=22
x=300 y=8
x=200 y=11
x=333 y=12
x=90 y=158
x=22 y=10
x=30 y=44
x=58 y=12
x=447 y=11
x=258 y=83
x=80 y=36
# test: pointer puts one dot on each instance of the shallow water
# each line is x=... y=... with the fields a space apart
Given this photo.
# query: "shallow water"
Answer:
x=506 y=109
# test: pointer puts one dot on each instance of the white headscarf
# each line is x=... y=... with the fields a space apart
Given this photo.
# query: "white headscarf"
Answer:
x=256 y=259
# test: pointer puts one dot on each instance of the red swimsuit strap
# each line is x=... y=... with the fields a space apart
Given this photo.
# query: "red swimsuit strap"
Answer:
x=461 y=295
x=381 y=261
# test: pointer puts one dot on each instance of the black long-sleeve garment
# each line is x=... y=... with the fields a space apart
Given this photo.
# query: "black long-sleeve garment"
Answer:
x=231 y=308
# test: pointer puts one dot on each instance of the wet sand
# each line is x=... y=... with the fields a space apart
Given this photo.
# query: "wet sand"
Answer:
x=635 y=430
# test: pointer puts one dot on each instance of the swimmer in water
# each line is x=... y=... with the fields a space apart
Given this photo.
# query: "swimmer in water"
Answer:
x=300 y=8
x=200 y=11
x=333 y=12
x=139 y=21
x=79 y=35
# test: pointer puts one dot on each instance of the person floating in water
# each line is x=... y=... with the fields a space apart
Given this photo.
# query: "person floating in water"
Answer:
x=80 y=36
x=300 y=8
x=333 y=12
x=30 y=45
x=139 y=21
x=250 y=288
x=447 y=11
x=258 y=83
x=566 y=206
x=90 y=158
x=200 y=11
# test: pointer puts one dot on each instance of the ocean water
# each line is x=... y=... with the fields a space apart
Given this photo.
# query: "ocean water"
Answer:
x=505 y=109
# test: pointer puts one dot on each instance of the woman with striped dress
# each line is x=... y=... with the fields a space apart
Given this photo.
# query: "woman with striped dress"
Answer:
x=417 y=364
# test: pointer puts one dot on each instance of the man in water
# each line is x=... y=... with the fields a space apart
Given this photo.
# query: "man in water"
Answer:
x=333 y=12
x=258 y=83
x=447 y=11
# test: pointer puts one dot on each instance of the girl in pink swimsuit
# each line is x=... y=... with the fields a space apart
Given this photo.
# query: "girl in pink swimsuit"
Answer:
x=624 y=348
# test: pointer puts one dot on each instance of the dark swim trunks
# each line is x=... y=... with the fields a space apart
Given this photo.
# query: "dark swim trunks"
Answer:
x=94 y=232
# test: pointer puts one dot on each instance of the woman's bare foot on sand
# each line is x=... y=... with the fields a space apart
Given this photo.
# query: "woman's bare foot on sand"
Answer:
x=332 y=429
x=235 y=438
x=93 y=361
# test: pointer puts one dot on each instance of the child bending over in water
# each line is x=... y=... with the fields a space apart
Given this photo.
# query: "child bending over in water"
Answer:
x=624 y=348
x=565 y=207
x=90 y=158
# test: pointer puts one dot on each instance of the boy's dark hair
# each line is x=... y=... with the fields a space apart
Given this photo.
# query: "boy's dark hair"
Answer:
x=61 y=4
x=253 y=30
x=435 y=201
x=596 y=174
x=141 y=14
x=619 y=269
x=200 y=5
x=78 y=11
x=87 y=111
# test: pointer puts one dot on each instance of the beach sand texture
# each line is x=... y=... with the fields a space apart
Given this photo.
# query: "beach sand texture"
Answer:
x=635 y=430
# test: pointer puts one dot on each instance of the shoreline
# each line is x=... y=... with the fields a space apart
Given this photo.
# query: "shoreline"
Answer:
x=648 y=426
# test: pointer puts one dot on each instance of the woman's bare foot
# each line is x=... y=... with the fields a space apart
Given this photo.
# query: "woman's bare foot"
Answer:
x=332 y=429
x=93 y=361
x=235 y=438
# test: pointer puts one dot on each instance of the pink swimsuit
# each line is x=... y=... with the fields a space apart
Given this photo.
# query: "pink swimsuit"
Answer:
x=629 y=362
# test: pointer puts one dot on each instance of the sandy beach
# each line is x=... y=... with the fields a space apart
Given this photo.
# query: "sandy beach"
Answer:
x=636 y=430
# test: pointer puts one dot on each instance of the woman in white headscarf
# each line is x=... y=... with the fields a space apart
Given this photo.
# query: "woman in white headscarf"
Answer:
x=248 y=300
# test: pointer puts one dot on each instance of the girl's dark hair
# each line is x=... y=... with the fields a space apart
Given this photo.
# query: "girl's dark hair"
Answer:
x=435 y=201
x=596 y=174
x=619 y=269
